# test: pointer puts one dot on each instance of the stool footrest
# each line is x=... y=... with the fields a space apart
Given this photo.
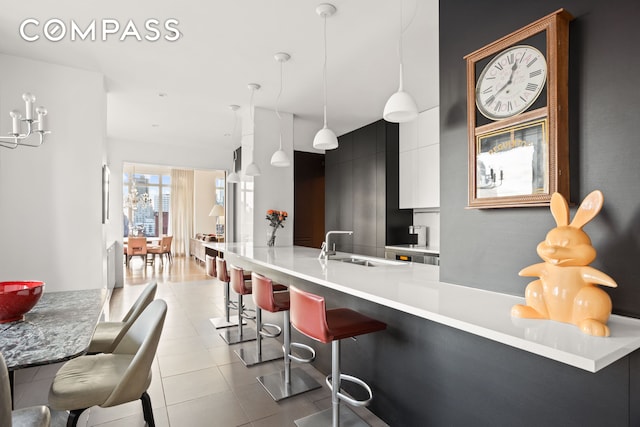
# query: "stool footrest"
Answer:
x=303 y=347
x=265 y=332
x=348 y=399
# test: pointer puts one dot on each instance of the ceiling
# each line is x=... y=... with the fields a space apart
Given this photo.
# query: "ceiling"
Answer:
x=223 y=46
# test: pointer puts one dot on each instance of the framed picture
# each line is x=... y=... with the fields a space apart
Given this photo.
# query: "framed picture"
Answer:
x=517 y=111
x=105 y=193
x=513 y=162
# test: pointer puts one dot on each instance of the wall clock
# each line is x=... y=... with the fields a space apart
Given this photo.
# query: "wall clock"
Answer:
x=517 y=108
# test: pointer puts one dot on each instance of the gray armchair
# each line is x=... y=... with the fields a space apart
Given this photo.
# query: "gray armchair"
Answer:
x=111 y=379
x=35 y=416
x=108 y=334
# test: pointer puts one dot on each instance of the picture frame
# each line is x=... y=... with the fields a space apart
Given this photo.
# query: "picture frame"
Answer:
x=511 y=60
x=105 y=193
x=512 y=162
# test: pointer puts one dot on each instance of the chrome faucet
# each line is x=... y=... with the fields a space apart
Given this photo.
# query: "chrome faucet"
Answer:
x=325 y=251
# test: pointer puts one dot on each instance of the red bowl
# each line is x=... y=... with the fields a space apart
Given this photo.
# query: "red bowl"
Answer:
x=17 y=298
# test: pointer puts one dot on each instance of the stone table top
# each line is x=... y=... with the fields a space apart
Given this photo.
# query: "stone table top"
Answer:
x=58 y=328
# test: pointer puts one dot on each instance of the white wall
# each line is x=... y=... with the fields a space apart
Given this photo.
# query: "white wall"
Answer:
x=50 y=196
x=273 y=189
x=205 y=199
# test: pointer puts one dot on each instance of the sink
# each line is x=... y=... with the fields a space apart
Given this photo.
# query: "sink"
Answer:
x=358 y=261
x=367 y=261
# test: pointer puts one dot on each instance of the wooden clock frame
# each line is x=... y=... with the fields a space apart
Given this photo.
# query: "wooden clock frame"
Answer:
x=549 y=123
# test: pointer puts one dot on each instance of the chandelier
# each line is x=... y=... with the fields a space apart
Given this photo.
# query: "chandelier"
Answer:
x=135 y=200
x=18 y=137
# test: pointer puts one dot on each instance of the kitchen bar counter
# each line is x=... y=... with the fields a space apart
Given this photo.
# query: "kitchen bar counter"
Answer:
x=416 y=289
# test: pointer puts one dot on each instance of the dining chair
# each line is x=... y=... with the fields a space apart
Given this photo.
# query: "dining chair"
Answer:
x=137 y=246
x=164 y=248
x=34 y=416
x=108 y=380
x=107 y=335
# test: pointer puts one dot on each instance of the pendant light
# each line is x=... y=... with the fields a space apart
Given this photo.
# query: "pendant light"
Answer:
x=233 y=177
x=252 y=168
x=400 y=107
x=280 y=158
x=325 y=139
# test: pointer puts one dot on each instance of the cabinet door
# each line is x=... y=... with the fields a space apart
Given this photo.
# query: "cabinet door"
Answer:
x=428 y=185
x=428 y=124
x=408 y=135
x=407 y=179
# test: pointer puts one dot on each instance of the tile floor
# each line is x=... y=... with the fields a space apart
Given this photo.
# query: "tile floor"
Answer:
x=198 y=380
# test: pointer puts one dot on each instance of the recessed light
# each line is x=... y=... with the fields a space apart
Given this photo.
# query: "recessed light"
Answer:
x=162 y=94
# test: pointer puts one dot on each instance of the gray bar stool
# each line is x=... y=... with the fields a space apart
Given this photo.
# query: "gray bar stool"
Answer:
x=310 y=316
x=241 y=284
x=288 y=382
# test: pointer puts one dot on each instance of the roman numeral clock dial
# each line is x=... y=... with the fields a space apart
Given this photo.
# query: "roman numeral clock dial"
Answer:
x=511 y=82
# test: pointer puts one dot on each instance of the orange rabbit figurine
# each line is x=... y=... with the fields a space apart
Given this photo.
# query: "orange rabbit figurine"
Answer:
x=566 y=290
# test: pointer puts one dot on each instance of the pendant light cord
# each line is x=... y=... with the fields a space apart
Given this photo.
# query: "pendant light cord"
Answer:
x=324 y=71
x=278 y=103
x=403 y=29
x=253 y=142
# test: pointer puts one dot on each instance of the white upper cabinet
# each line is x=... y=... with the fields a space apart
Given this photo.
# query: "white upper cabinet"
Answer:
x=420 y=161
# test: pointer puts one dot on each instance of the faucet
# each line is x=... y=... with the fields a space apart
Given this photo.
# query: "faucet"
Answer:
x=325 y=251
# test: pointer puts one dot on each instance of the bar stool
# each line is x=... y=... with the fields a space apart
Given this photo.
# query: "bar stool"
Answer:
x=289 y=382
x=310 y=316
x=210 y=265
x=241 y=284
x=223 y=276
x=257 y=355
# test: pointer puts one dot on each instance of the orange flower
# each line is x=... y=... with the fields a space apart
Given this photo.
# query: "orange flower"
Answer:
x=284 y=213
x=270 y=212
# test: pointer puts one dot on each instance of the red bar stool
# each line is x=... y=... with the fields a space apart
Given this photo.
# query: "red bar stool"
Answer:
x=241 y=284
x=210 y=265
x=280 y=385
x=310 y=316
x=223 y=276
x=257 y=355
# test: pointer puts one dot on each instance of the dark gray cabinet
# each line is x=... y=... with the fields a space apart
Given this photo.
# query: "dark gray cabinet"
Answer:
x=361 y=190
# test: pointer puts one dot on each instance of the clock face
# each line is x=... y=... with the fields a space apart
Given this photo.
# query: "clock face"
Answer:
x=511 y=82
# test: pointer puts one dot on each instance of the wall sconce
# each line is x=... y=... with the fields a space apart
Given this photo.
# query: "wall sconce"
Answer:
x=16 y=137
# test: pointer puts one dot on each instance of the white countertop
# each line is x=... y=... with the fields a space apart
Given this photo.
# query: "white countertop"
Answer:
x=416 y=289
x=416 y=248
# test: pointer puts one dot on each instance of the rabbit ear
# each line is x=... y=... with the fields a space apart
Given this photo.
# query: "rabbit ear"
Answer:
x=559 y=209
x=589 y=208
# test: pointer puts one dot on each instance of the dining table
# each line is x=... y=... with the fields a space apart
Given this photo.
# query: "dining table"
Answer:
x=58 y=328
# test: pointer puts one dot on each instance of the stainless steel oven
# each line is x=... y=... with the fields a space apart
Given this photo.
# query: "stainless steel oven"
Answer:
x=411 y=255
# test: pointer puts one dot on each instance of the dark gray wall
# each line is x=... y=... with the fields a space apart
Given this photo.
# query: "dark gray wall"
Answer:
x=487 y=248
x=361 y=190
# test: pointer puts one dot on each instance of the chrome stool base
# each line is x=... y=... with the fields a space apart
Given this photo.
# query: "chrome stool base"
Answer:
x=277 y=387
x=221 y=322
x=348 y=418
x=251 y=357
x=234 y=336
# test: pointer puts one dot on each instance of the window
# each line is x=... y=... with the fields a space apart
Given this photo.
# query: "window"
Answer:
x=146 y=204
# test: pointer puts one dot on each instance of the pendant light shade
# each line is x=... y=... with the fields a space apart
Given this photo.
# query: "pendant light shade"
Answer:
x=400 y=107
x=252 y=168
x=233 y=177
x=280 y=158
x=325 y=139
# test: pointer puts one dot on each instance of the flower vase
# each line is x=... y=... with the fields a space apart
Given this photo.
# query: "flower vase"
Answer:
x=271 y=236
